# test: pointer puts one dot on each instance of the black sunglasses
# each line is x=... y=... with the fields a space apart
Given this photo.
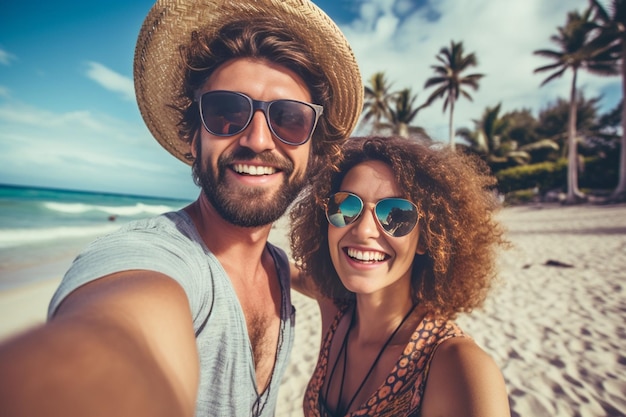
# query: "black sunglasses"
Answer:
x=396 y=216
x=227 y=113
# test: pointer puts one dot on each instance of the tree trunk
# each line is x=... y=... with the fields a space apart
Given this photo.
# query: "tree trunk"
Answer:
x=620 y=190
x=403 y=130
x=451 y=124
x=572 y=152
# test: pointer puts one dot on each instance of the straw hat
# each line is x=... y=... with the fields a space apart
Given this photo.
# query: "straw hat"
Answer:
x=158 y=69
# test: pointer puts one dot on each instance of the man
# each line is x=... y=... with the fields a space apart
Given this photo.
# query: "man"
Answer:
x=190 y=312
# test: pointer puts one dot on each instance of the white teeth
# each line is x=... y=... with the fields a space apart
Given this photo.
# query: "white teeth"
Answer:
x=367 y=256
x=253 y=169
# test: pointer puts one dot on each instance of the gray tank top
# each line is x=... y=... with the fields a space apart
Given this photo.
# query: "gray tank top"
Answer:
x=170 y=244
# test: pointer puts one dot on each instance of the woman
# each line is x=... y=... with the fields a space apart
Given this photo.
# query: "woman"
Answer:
x=393 y=246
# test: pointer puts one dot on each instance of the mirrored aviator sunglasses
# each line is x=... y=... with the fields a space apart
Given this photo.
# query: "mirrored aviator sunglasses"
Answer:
x=396 y=216
x=227 y=113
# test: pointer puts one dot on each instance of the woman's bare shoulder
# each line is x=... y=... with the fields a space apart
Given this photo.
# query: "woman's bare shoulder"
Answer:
x=462 y=371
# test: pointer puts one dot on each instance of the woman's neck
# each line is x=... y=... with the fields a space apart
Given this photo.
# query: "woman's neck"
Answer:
x=376 y=319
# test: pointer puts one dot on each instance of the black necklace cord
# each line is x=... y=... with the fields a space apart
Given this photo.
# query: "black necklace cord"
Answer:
x=341 y=350
x=380 y=353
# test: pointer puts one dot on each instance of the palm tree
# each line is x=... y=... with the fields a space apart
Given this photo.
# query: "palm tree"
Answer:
x=403 y=114
x=608 y=136
x=613 y=35
x=487 y=134
x=450 y=80
x=376 y=103
x=574 y=54
x=491 y=141
x=522 y=126
x=553 y=121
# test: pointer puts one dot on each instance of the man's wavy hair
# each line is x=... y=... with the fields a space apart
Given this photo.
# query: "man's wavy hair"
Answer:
x=263 y=39
x=456 y=206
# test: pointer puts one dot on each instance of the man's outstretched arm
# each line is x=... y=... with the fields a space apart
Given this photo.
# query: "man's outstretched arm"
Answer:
x=122 y=345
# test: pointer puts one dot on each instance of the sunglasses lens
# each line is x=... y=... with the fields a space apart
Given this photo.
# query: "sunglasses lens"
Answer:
x=291 y=121
x=225 y=113
x=396 y=215
x=343 y=208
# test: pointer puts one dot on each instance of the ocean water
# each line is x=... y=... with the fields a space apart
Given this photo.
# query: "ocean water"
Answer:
x=42 y=230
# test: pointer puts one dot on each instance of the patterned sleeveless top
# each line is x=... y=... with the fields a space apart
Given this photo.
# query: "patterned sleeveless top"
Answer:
x=401 y=393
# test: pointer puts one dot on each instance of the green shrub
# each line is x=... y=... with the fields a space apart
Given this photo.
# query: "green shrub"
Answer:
x=597 y=173
x=520 y=197
x=544 y=176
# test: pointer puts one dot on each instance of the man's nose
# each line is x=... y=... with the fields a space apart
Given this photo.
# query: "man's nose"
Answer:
x=258 y=136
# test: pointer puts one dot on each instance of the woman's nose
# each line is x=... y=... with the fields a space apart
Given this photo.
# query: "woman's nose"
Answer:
x=366 y=225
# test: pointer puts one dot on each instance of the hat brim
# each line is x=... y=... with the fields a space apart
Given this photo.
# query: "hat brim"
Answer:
x=158 y=70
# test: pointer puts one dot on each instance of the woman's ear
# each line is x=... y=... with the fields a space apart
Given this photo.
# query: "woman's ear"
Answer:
x=421 y=247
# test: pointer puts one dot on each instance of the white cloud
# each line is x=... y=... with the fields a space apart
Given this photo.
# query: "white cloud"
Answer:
x=502 y=34
x=6 y=58
x=84 y=150
x=111 y=80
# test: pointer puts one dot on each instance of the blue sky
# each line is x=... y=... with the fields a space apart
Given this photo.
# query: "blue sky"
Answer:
x=68 y=117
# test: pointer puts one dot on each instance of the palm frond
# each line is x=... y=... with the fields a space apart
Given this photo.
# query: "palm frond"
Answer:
x=540 y=145
x=548 y=67
x=434 y=81
x=548 y=53
x=553 y=76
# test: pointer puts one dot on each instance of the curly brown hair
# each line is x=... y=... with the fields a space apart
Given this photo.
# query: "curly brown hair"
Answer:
x=264 y=39
x=456 y=205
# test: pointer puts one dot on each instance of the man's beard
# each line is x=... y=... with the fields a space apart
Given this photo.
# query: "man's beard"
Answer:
x=250 y=207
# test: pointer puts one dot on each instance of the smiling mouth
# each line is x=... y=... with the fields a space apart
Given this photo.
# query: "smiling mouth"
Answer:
x=366 y=256
x=253 y=170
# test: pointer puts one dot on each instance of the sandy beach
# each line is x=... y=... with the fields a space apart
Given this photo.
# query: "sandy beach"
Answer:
x=555 y=323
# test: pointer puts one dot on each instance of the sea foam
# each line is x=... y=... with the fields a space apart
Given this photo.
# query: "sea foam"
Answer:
x=131 y=210
x=19 y=237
